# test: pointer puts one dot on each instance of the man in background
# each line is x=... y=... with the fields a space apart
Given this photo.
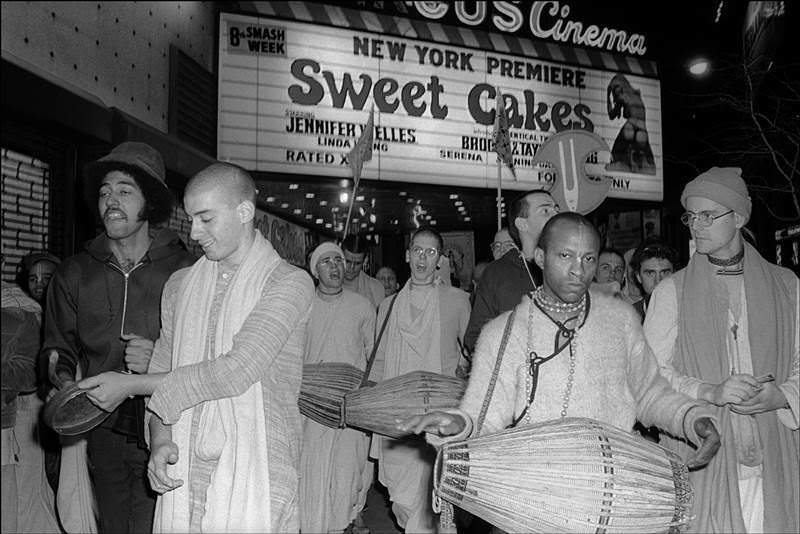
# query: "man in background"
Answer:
x=502 y=243
x=388 y=278
x=651 y=262
x=508 y=279
x=355 y=249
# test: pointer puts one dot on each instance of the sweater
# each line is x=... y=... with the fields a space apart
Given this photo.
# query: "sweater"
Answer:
x=616 y=378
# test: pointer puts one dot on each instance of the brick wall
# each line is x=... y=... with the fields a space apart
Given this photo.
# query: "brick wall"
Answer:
x=25 y=208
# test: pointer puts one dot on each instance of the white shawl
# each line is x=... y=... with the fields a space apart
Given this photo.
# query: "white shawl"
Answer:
x=231 y=430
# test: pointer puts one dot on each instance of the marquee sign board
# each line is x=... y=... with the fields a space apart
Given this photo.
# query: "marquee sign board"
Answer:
x=294 y=97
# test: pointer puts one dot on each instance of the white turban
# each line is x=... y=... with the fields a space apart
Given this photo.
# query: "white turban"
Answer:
x=322 y=248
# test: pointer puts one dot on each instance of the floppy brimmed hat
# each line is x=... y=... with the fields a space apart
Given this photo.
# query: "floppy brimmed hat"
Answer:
x=39 y=255
x=143 y=163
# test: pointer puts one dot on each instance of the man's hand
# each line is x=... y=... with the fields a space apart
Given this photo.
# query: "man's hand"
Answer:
x=710 y=443
x=108 y=390
x=138 y=351
x=768 y=399
x=162 y=454
x=734 y=390
x=436 y=422
x=60 y=381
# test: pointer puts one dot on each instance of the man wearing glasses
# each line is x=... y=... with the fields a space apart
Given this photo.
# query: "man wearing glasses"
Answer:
x=502 y=243
x=355 y=279
x=422 y=334
x=725 y=330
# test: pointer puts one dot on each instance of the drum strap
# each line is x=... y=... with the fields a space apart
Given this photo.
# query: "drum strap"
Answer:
x=495 y=372
x=371 y=360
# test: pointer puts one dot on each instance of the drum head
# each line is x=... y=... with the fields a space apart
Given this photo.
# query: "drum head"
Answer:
x=70 y=412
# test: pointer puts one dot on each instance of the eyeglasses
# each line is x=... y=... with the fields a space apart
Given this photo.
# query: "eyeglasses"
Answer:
x=501 y=245
x=331 y=260
x=419 y=251
x=704 y=218
x=354 y=262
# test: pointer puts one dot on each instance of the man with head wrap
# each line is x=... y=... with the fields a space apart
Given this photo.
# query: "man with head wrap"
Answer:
x=725 y=330
x=335 y=472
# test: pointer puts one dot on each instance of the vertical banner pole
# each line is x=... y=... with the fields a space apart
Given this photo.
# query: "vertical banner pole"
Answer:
x=499 y=194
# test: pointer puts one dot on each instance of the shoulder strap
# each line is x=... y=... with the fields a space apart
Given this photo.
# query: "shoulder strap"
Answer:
x=495 y=372
x=371 y=360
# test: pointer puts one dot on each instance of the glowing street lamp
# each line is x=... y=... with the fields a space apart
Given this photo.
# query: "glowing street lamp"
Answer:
x=699 y=67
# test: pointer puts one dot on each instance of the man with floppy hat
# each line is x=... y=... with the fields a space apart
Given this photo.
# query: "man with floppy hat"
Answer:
x=335 y=472
x=102 y=314
x=725 y=330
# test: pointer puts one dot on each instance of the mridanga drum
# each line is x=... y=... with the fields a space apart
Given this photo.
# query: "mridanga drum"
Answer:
x=323 y=388
x=568 y=475
x=377 y=408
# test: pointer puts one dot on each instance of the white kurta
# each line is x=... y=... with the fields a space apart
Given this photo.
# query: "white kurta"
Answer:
x=334 y=469
x=422 y=333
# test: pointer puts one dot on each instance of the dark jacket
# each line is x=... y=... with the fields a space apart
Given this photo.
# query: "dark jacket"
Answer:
x=503 y=284
x=20 y=343
x=91 y=303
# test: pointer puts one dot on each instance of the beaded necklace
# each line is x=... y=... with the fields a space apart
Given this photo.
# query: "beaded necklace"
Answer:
x=726 y=265
x=565 y=337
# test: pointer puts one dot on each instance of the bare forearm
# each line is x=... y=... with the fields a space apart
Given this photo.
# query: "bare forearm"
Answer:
x=145 y=384
x=159 y=432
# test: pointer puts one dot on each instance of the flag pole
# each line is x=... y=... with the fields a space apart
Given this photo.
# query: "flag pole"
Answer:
x=350 y=209
x=499 y=194
x=360 y=153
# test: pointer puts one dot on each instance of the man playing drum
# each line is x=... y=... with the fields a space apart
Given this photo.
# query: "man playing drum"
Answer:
x=570 y=353
x=335 y=473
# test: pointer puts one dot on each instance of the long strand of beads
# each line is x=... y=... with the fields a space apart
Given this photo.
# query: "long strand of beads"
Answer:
x=528 y=376
x=573 y=350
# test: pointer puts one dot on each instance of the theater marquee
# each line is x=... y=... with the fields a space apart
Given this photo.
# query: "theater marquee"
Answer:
x=294 y=97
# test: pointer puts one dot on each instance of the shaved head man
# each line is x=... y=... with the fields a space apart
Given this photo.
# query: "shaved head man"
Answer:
x=542 y=336
x=220 y=200
x=207 y=389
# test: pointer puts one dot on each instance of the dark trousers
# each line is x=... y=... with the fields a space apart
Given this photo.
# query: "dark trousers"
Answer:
x=119 y=472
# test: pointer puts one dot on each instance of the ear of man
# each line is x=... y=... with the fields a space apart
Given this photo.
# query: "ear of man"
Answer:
x=521 y=224
x=246 y=211
x=538 y=257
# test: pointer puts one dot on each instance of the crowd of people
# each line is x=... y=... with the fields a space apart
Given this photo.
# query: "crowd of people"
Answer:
x=198 y=363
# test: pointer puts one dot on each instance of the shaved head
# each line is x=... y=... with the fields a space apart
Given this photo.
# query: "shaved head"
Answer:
x=231 y=183
x=571 y=222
